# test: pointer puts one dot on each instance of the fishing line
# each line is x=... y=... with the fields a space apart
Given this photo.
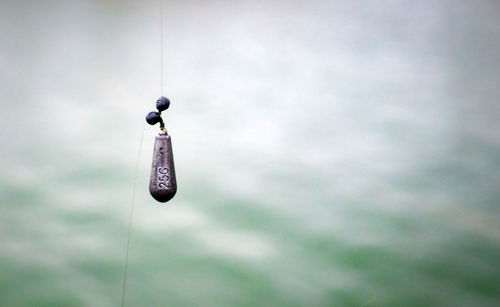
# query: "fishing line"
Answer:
x=161 y=48
x=132 y=203
x=163 y=183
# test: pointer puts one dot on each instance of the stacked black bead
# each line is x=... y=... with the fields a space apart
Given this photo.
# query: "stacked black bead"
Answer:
x=155 y=117
x=162 y=103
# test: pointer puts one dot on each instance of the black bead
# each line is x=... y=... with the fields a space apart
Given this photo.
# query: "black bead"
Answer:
x=153 y=118
x=162 y=103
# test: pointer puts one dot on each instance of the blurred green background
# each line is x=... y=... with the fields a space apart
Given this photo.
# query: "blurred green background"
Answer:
x=328 y=153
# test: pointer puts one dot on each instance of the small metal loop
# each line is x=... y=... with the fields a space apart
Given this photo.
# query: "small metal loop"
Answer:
x=162 y=127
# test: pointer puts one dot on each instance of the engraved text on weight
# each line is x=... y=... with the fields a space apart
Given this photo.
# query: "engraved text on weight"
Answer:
x=163 y=178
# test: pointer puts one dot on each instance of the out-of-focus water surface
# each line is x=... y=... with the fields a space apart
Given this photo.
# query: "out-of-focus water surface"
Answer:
x=328 y=153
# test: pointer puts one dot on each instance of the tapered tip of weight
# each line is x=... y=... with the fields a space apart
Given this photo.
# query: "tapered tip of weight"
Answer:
x=163 y=196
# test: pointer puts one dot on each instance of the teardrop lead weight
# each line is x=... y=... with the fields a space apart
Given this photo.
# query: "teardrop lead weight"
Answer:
x=163 y=184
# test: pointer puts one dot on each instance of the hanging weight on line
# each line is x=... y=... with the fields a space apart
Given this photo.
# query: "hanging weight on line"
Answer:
x=162 y=182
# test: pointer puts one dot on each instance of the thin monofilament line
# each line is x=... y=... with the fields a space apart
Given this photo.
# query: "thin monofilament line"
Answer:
x=125 y=266
x=161 y=48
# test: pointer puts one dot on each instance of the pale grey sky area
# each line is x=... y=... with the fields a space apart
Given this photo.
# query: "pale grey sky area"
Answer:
x=328 y=153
